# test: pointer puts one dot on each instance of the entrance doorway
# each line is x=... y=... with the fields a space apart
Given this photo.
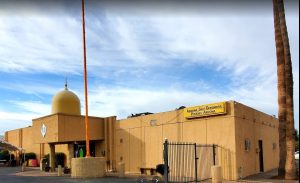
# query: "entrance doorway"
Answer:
x=80 y=149
x=261 y=156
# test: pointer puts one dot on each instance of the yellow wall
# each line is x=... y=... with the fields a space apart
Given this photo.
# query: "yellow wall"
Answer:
x=72 y=128
x=51 y=123
x=138 y=141
x=67 y=128
x=254 y=125
x=15 y=137
x=142 y=144
x=27 y=142
x=122 y=143
x=61 y=128
x=23 y=138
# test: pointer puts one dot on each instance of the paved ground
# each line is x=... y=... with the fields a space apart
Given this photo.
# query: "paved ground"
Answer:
x=13 y=175
x=34 y=175
x=266 y=177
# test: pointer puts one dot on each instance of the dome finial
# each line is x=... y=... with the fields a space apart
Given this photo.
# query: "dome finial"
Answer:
x=66 y=83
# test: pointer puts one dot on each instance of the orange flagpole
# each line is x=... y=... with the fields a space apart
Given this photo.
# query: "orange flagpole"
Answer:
x=87 y=135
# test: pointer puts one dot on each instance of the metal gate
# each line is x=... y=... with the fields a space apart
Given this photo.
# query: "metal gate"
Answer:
x=188 y=162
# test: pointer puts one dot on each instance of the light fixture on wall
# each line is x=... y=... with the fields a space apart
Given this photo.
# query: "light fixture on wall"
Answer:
x=274 y=146
x=153 y=122
x=247 y=144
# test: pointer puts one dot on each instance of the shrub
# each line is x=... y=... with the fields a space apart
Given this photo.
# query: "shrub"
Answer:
x=4 y=155
x=47 y=168
x=46 y=159
x=59 y=159
x=4 y=152
x=67 y=170
x=30 y=155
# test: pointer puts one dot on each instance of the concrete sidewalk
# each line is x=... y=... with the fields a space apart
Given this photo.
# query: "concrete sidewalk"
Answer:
x=265 y=177
x=36 y=172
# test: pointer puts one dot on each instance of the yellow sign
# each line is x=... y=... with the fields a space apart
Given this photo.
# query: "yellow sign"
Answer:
x=205 y=110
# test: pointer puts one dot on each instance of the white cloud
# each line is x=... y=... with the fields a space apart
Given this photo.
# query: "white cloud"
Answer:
x=128 y=41
x=125 y=101
x=13 y=120
x=119 y=45
x=237 y=44
x=22 y=115
x=233 y=43
x=40 y=44
x=122 y=101
x=28 y=87
x=33 y=107
x=16 y=116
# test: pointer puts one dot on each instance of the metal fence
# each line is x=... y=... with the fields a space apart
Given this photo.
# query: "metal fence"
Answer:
x=188 y=162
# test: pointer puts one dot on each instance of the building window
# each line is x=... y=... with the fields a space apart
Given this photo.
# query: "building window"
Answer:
x=121 y=141
x=247 y=144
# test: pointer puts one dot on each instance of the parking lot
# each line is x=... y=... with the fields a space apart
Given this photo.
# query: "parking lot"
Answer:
x=34 y=175
x=13 y=175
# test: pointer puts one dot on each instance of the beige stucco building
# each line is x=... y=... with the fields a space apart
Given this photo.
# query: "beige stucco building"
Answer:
x=246 y=139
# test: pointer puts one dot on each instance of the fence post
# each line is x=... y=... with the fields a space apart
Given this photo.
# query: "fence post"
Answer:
x=166 y=166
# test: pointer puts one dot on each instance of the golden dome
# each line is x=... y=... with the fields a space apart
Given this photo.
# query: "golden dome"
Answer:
x=66 y=102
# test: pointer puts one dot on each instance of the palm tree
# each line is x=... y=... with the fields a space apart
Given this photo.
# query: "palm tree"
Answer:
x=281 y=90
x=290 y=169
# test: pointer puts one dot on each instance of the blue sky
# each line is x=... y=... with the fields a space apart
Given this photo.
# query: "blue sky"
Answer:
x=141 y=57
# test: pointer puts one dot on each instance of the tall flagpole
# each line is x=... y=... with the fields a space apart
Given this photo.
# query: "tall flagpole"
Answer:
x=87 y=135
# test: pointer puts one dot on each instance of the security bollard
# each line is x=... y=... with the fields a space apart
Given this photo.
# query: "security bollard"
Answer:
x=216 y=174
x=23 y=167
x=121 y=169
x=59 y=170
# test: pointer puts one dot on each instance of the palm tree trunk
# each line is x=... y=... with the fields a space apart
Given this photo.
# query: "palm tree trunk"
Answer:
x=281 y=90
x=290 y=169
